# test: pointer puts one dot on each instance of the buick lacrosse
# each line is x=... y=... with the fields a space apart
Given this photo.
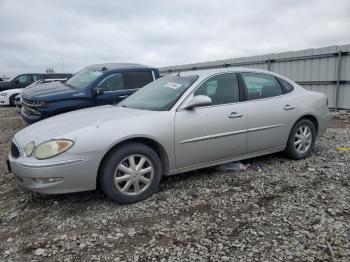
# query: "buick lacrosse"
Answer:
x=177 y=123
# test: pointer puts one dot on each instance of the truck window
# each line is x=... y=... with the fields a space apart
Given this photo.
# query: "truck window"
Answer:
x=37 y=77
x=137 y=79
x=23 y=79
x=112 y=82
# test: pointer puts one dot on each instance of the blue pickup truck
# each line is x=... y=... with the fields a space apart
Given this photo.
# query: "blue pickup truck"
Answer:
x=92 y=86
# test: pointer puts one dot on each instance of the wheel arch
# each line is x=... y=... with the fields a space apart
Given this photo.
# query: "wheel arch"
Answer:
x=310 y=117
x=152 y=143
x=12 y=96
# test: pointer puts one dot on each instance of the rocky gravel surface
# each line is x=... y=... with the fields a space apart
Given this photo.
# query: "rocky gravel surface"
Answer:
x=276 y=210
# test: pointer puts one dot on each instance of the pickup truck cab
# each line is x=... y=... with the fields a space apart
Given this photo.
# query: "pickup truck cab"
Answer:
x=94 y=85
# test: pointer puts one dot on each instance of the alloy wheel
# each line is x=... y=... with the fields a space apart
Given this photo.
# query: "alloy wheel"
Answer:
x=303 y=139
x=133 y=175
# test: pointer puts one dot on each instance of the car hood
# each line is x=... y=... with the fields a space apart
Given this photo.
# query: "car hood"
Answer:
x=50 y=92
x=93 y=120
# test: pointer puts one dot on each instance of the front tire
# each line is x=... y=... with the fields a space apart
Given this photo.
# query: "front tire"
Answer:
x=301 y=139
x=12 y=100
x=131 y=173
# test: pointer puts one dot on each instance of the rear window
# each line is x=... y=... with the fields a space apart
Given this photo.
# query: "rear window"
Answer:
x=138 y=79
x=287 y=87
x=259 y=86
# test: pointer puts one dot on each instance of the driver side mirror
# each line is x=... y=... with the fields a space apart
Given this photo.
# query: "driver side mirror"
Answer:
x=197 y=101
x=16 y=81
x=97 y=91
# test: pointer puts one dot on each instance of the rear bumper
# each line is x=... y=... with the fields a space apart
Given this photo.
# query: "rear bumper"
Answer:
x=323 y=122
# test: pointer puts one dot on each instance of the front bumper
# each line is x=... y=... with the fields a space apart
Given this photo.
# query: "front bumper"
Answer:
x=30 y=118
x=75 y=174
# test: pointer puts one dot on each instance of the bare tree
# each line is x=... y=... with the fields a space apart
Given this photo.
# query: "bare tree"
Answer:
x=50 y=70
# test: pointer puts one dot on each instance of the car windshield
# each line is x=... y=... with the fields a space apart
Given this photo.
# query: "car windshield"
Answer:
x=8 y=79
x=159 y=95
x=83 y=78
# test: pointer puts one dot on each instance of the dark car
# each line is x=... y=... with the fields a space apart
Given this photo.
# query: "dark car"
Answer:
x=23 y=80
x=92 y=86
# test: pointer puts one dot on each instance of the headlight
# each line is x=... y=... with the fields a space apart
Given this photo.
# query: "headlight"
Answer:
x=52 y=148
x=28 y=150
x=3 y=94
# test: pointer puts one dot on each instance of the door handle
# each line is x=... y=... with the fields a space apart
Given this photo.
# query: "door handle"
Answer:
x=123 y=96
x=288 y=107
x=235 y=115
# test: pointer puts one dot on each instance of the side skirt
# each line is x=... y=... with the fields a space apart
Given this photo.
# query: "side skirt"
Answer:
x=224 y=161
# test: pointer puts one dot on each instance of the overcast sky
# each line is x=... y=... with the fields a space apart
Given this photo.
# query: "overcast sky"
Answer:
x=35 y=35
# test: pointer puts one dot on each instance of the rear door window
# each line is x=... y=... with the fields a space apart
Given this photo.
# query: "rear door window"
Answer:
x=259 y=86
x=137 y=79
x=37 y=77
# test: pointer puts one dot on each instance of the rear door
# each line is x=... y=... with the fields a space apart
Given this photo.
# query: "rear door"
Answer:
x=214 y=132
x=36 y=77
x=270 y=112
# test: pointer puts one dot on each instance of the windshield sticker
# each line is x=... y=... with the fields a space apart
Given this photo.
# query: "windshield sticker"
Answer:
x=173 y=85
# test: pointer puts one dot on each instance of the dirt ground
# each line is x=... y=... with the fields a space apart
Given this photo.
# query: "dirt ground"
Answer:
x=277 y=210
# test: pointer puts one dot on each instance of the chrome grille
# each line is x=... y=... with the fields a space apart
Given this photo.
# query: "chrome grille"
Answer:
x=28 y=103
x=29 y=107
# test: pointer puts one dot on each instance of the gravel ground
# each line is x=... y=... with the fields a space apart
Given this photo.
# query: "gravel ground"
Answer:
x=287 y=211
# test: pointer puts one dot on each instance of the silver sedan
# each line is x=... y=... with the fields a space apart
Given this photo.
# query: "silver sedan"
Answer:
x=178 y=123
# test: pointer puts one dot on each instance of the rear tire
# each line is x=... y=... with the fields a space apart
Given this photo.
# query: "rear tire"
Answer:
x=130 y=173
x=301 y=139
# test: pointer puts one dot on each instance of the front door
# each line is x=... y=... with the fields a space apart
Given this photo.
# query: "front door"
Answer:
x=22 y=81
x=212 y=132
x=113 y=89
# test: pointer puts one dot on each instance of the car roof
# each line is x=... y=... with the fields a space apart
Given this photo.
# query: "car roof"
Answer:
x=30 y=74
x=119 y=66
x=208 y=72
